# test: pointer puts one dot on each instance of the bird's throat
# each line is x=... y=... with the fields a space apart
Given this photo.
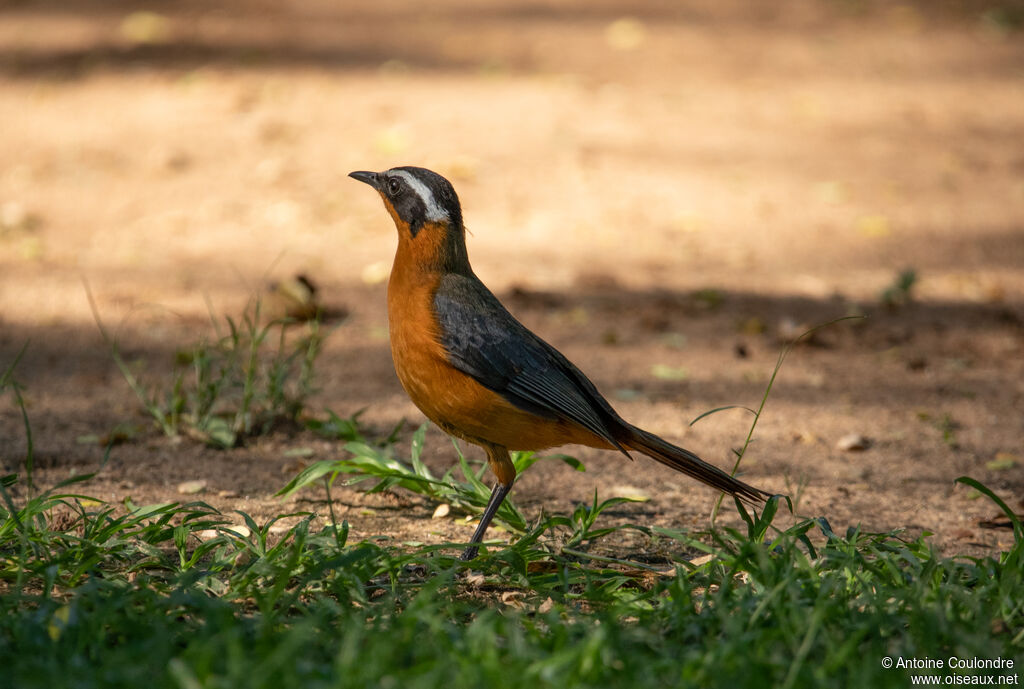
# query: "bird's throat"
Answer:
x=436 y=249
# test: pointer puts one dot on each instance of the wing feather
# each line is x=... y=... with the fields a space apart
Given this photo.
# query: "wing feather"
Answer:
x=483 y=340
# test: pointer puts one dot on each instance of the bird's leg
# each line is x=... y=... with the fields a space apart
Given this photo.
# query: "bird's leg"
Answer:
x=501 y=465
x=497 y=496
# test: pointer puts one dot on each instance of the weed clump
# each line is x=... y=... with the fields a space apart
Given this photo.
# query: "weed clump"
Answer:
x=252 y=375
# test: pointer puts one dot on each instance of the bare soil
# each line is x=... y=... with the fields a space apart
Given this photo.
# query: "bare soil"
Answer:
x=667 y=194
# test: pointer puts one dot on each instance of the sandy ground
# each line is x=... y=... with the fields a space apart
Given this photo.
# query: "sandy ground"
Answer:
x=665 y=193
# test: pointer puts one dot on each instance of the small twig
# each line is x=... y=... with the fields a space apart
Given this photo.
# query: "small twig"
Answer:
x=610 y=560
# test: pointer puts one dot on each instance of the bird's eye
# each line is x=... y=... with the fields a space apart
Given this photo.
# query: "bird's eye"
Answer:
x=394 y=186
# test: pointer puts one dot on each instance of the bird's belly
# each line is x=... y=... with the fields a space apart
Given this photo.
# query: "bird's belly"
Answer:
x=462 y=407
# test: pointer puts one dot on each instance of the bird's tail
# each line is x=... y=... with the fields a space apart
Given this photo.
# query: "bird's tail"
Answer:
x=690 y=464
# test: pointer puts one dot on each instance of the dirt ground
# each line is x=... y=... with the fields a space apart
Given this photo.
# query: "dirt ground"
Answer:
x=666 y=192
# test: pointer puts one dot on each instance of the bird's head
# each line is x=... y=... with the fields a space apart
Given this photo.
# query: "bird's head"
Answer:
x=426 y=212
x=415 y=197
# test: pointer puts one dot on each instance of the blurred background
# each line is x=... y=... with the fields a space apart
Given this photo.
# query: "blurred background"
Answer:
x=665 y=190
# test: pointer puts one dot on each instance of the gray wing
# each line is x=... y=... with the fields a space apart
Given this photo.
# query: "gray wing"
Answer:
x=483 y=340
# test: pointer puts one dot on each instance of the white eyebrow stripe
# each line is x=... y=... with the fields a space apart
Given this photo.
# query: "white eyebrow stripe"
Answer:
x=434 y=211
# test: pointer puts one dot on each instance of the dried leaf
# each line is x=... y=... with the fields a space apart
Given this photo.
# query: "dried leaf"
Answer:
x=145 y=28
x=626 y=33
x=874 y=226
x=631 y=493
x=192 y=487
x=666 y=372
x=375 y=273
x=853 y=442
x=1002 y=461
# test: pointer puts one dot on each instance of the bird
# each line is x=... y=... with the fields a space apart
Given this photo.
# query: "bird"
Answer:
x=478 y=373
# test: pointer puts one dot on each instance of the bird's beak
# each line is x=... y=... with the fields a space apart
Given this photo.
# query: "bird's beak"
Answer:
x=371 y=178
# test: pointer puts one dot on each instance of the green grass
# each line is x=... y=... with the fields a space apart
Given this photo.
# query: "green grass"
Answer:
x=121 y=595
x=98 y=595
x=366 y=461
